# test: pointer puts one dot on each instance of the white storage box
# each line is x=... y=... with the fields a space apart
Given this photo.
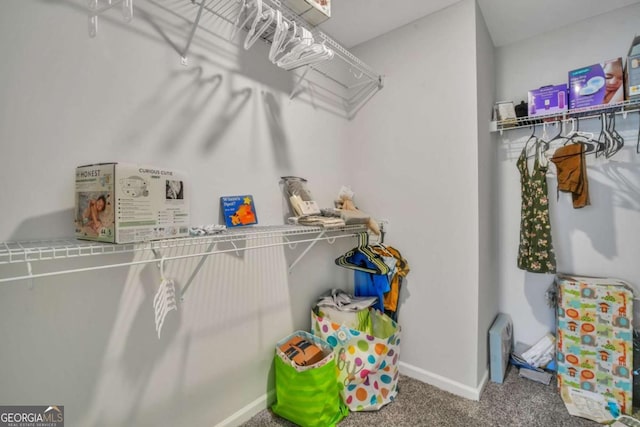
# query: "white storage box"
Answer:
x=126 y=203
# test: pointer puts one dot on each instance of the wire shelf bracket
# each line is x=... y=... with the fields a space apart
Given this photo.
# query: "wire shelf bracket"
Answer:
x=96 y=10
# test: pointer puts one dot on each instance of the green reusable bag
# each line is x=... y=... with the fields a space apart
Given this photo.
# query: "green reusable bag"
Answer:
x=308 y=396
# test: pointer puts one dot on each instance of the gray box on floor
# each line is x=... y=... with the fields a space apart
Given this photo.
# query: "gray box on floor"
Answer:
x=500 y=345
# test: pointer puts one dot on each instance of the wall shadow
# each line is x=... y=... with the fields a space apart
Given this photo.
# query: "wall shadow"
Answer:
x=142 y=348
x=279 y=139
x=56 y=225
x=192 y=110
x=535 y=287
x=170 y=24
x=157 y=108
x=220 y=125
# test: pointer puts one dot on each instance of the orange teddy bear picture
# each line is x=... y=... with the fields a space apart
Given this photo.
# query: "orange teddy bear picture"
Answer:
x=244 y=215
x=239 y=210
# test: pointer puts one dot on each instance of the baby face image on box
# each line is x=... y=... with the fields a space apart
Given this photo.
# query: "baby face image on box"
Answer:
x=94 y=214
x=596 y=84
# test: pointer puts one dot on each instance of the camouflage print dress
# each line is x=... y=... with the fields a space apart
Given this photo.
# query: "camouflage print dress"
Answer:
x=536 y=250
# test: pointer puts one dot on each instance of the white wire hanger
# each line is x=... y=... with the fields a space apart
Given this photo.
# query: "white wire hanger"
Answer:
x=263 y=13
x=165 y=299
x=279 y=37
x=315 y=53
x=246 y=9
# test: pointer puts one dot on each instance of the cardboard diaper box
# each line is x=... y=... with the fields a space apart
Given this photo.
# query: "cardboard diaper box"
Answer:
x=314 y=12
x=301 y=351
x=126 y=203
x=548 y=100
x=632 y=70
x=597 y=84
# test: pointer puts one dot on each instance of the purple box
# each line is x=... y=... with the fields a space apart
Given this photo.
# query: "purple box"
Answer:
x=548 y=100
x=597 y=84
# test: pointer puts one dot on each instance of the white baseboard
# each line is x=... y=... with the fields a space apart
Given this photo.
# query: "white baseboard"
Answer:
x=445 y=383
x=249 y=411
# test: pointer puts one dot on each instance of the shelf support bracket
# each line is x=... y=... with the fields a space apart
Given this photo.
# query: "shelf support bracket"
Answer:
x=183 y=55
x=235 y=247
x=307 y=249
x=157 y=255
x=298 y=84
x=197 y=270
x=95 y=11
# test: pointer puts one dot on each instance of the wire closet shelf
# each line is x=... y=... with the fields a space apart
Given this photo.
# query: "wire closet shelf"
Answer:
x=622 y=108
x=21 y=252
x=358 y=80
x=349 y=82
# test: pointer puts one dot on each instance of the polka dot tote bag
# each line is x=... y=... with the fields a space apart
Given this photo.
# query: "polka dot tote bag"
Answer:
x=366 y=361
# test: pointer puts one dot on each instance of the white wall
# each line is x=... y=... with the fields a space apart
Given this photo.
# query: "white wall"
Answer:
x=414 y=149
x=600 y=239
x=488 y=290
x=87 y=341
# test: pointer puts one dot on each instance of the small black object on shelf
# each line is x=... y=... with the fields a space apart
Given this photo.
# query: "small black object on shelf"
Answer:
x=522 y=109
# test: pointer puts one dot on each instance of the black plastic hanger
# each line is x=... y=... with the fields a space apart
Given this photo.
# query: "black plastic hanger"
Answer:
x=590 y=145
x=617 y=141
x=363 y=247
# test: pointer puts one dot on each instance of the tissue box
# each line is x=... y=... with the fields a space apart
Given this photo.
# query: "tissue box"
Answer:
x=313 y=11
x=548 y=100
x=126 y=203
x=597 y=84
x=632 y=70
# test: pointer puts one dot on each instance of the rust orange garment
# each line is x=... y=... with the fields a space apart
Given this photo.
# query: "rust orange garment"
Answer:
x=572 y=173
x=402 y=269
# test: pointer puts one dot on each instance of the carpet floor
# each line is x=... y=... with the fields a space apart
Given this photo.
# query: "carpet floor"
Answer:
x=516 y=402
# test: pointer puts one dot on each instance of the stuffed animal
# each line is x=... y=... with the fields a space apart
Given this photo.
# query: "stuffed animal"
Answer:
x=346 y=204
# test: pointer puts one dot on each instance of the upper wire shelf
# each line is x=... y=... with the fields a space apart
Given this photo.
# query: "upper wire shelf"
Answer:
x=347 y=71
x=351 y=82
x=42 y=250
x=582 y=113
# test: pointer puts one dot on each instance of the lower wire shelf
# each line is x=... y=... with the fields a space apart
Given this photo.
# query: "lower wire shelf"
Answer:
x=28 y=252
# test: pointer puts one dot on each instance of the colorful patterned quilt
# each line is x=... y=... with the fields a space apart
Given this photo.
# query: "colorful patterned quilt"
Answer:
x=595 y=339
